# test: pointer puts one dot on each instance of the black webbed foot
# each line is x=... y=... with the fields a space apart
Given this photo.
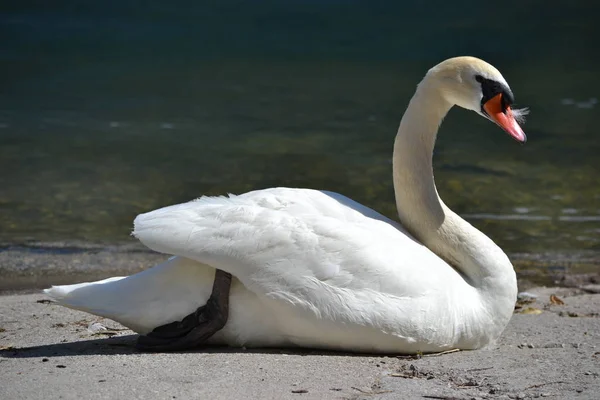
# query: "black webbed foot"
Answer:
x=196 y=328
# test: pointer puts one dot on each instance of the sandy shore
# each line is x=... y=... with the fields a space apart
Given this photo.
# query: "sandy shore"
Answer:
x=48 y=352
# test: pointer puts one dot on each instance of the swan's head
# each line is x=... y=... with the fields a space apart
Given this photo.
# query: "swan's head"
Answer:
x=473 y=84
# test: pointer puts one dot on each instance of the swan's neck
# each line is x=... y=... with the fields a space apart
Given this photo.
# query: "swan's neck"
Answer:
x=483 y=264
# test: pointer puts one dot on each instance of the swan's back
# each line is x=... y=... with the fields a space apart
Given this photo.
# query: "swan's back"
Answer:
x=296 y=233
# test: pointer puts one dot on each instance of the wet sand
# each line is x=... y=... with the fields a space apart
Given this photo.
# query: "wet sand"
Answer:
x=39 y=265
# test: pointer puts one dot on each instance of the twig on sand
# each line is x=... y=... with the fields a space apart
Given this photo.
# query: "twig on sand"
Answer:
x=442 y=397
x=441 y=353
x=421 y=355
x=543 y=384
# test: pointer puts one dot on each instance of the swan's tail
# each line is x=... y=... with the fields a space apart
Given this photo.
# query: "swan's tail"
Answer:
x=88 y=296
x=154 y=297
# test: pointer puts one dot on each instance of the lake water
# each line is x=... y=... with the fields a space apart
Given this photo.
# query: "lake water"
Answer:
x=114 y=109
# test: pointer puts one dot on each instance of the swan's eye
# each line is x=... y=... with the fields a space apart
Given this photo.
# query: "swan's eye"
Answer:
x=491 y=88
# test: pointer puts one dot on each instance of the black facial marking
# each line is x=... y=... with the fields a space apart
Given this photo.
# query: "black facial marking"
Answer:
x=490 y=88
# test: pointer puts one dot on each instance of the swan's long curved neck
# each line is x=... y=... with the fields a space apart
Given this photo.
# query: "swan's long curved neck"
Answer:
x=423 y=213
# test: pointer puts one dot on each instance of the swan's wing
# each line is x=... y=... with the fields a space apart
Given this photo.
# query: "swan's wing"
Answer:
x=302 y=246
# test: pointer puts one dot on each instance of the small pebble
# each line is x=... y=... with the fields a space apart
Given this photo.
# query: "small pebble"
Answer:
x=554 y=345
x=494 y=390
x=530 y=346
x=44 y=360
x=526 y=295
x=96 y=327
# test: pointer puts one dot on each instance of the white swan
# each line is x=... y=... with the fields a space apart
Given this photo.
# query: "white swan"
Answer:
x=316 y=269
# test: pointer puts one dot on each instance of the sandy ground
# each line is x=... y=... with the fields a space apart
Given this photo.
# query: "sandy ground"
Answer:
x=49 y=352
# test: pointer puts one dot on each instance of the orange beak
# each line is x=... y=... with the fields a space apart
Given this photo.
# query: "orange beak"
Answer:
x=504 y=119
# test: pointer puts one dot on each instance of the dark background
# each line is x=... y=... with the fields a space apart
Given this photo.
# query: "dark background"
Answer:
x=112 y=108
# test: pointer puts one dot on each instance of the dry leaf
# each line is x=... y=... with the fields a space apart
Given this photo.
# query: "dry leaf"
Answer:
x=531 y=310
x=556 y=300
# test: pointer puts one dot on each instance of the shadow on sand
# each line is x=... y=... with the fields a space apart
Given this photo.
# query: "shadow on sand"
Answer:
x=120 y=345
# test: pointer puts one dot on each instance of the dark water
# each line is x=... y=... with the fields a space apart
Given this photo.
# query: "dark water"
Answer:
x=117 y=108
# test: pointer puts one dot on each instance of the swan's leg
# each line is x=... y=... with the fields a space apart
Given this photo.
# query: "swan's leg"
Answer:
x=197 y=327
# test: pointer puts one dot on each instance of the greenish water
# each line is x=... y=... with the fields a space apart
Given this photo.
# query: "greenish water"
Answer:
x=111 y=111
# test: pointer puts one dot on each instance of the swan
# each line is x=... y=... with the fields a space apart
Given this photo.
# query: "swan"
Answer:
x=286 y=267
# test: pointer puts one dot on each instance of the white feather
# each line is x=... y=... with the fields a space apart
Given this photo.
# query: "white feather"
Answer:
x=520 y=114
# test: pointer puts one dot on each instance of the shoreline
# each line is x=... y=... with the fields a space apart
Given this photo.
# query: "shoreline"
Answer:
x=39 y=265
x=48 y=351
x=32 y=266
